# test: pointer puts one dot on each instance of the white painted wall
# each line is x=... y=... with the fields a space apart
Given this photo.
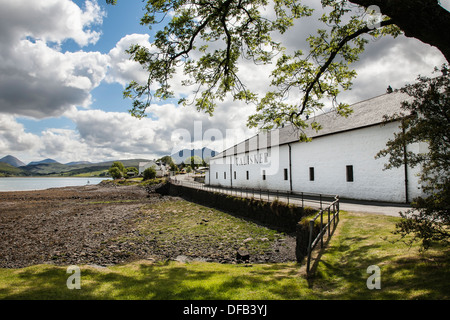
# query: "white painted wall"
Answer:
x=160 y=170
x=329 y=155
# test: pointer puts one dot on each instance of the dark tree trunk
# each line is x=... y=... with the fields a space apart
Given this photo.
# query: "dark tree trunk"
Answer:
x=424 y=20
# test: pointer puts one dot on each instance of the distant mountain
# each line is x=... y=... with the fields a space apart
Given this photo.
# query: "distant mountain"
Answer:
x=13 y=161
x=8 y=170
x=77 y=162
x=50 y=167
x=59 y=169
x=46 y=161
x=204 y=153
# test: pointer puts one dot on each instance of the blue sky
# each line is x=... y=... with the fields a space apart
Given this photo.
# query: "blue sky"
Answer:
x=63 y=68
x=119 y=20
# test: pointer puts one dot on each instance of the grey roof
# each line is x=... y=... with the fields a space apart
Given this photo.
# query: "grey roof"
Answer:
x=365 y=113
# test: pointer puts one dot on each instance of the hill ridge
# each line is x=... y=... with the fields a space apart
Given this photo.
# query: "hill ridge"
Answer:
x=13 y=161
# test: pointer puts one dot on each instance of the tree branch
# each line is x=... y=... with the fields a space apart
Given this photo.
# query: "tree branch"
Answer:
x=424 y=20
x=331 y=58
x=191 y=42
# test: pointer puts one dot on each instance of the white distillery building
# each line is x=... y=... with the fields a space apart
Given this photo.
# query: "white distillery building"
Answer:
x=340 y=159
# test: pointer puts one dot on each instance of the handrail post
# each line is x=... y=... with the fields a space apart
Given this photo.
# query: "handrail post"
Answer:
x=311 y=227
x=334 y=215
x=329 y=222
x=321 y=227
x=338 y=202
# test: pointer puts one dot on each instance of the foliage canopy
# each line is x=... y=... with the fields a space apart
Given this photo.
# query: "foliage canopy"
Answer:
x=149 y=173
x=426 y=120
x=208 y=39
x=193 y=161
x=117 y=170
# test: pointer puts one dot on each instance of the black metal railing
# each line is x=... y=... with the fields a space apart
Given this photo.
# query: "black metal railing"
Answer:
x=323 y=229
x=299 y=198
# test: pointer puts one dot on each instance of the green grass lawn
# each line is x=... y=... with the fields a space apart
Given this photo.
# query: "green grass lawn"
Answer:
x=361 y=240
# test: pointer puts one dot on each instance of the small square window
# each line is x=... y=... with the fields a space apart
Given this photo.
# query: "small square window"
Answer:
x=264 y=175
x=349 y=173
x=311 y=173
x=217 y=175
x=224 y=175
x=286 y=174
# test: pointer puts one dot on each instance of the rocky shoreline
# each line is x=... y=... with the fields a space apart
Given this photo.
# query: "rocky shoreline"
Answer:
x=98 y=225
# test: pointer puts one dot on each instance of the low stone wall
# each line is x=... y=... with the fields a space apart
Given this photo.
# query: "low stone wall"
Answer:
x=302 y=236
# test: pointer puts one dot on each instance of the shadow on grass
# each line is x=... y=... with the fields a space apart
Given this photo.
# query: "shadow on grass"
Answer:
x=340 y=273
x=415 y=276
x=156 y=282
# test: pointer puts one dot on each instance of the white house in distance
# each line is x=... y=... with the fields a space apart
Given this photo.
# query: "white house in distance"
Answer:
x=340 y=159
x=160 y=169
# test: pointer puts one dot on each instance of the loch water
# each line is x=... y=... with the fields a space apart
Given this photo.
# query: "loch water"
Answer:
x=42 y=183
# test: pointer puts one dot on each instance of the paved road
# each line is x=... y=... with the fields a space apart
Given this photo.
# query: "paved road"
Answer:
x=390 y=209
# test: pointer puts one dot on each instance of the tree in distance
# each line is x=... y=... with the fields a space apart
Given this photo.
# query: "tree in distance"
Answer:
x=193 y=161
x=117 y=170
x=149 y=174
x=168 y=160
x=115 y=173
x=132 y=169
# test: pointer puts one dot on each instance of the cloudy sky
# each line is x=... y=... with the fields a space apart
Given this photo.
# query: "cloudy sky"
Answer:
x=63 y=68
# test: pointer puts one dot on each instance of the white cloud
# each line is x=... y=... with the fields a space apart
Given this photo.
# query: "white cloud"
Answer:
x=40 y=82
x=102 y=136
x=123 y=70
x=36 y=79
x=159 y=134
x=391 y=62
x=50 y=21
x=14 y=138
x=117 y=131
x=63 y=144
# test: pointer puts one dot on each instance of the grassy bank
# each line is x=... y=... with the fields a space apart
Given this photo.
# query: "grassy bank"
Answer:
x=361 y=240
